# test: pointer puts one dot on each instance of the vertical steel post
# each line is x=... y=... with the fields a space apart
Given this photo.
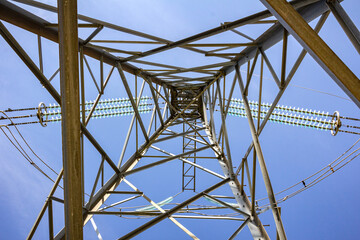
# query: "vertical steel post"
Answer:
x=83 y=117
x=255 y=137
x=51 y=224
x=70 y=112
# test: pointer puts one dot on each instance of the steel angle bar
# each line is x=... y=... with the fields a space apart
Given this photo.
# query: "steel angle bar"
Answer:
x=51 y=223
x=163 y=161
x=310 y=10
x=225 y=27
x=287 y=81
x=99 y=148
x=115 y=50
x=172 y=211
x=80 y=25
x=191 y=163
x=70 y=123
x=96 y=229
x=93 y=34
x=345 y=22
x=187 y=121
x=228 y=206
x=128 y=91
x=258 y=126
x=198 y=134
x=155 y=99
x=124 y=41
x=251 y=72
x=156 y=64
x=165 y=110
x=101 y=196
x=255 y=226
x=178 y=135
x=35 y=70
x=154 y=112
x=316 y=47
x=177 y=122
x=162 y=65
x=117 y=203
x=269 y=189
x=208 y=217
x=228 y=104
x=57 y=199
x=30 y=22
x=220 y=44
x=239 y=229
x=92 y=75
x=218 y=50
x=283 y=60
x=184 y=80
x=211 y=122
x=101 y=167
x=188 y=137
x=221 y=196
x=54 y=75
x=243 y=35
x=28 y=61
x=265 y=22
x=97 y=22
x=125 y=213
x=43 y=209
x=182 y=227
x=223 y=125
x=41 y=66
x=98 y=97
x=194 y=68
x=180 y=114
x=125 y=192
x=130 y=127
x=270 y=67
x=132 y=213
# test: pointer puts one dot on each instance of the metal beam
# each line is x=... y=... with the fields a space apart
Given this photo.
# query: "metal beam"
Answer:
x=270 y=191
x=316 y=47
x=70 y=112
x=309 y=10
x=101 y=196
x=172 y=211
x=30 y=22
x=134 y=105
x=282 y=90
x=225 y=27
x=43 y=209
x=189 y=162
x=345 y=22
x=271 y=69
x=255 y=226
x=182 y=227
x=130 y=127
x=178 y=135
x=164 y=161
x=96 y=22
x=239 y=229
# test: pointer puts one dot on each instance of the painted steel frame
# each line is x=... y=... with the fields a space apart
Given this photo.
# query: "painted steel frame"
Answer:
x=292 y=21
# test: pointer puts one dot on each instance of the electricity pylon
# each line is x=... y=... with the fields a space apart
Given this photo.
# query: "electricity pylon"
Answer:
x=192 y=109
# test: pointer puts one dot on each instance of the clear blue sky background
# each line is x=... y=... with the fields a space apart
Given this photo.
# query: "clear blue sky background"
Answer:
x=327 y=211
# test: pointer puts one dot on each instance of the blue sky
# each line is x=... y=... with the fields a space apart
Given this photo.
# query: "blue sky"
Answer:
x=326 y=211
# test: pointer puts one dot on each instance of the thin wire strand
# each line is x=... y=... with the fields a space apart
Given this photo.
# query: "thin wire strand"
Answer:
x=22 y=137
x=330 y=169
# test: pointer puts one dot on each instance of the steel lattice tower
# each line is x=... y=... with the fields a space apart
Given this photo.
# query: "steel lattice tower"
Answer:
x=189 y=111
